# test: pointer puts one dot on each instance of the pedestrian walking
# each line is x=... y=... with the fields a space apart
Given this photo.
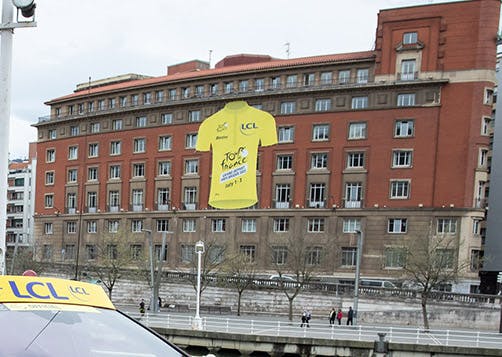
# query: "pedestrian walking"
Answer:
x=304 y=318
x=160 y=303
x=350 y=316
x=142 y=307
x=309 y=316
x=332 y=317
x=339 y=316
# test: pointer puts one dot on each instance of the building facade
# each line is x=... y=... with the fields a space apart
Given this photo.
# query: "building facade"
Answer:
x=391 y=142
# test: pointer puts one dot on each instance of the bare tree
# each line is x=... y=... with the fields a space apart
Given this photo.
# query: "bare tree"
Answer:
x=241 y=271
x=431 y=262
x=113 y=255
x=22 y=259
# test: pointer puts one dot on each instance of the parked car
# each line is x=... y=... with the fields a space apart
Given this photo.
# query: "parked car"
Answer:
x=376 y=283
x=58 y=318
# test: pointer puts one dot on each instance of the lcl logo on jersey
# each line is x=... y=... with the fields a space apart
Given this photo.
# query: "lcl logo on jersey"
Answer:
x=248 y=126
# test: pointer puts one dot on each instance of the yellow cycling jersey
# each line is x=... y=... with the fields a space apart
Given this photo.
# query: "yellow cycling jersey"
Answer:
x=234 y=134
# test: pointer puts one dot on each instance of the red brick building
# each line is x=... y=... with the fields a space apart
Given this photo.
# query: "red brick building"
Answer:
x=392 y=142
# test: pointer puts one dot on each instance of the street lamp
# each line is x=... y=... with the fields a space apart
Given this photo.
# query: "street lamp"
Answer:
x=197 y=321
x=153 y=304
x=360 y=238
x=6 y=32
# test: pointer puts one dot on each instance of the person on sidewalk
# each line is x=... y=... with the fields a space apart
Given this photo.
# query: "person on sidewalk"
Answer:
x=332 y=317
x=142 y=307
x=350 y=316
x=339 y=316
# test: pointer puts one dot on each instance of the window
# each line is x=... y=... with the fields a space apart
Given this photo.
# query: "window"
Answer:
x=353 y=194
x=485 y=125
x=147 y=98
x=92 y=200
x=313 y=256
x=188 y=225
x=279 y=255
x=92 y=226
x=81 y=108
x=349 y=256
x=218 y=225
x=243 y=86
x=72 y=175
x=476 y=259
x=191 y=141
x=320 y=132
x=286 y=134
x=74 y=130
x=322 y=105
x=115 y=171
x=394 y=257
x=190 y=197
x=308 y=79
x=248 y=225
x=111 y=251
x=90 y=251
x=404 y=128
x=137 y=199
x=136 y=226
x=72 y=152
x=92 y=174
x=136 y=251
x=483 y=158
x=282 y=195
x=406 y=100
x=172 y=94
x=49 y=178
x=259 y=85
x=48 y=228
x=326 y=77
x=291 y=81
x=214 y=88
x=115 y=148
x=488 y=99
x=359 y=102
x=408 y=70
x=163 y=198
x=362 y=76
x=50 y=155
x=114 y=201
x=134 y=99
x=397 y=225
x=165 y=142
x=281 y=225
x=319 y=160
x=288 y=107
x=139 y=145
x=284 y=162
x=400 y=189
x=95 y=127
x=444 y=258
x=194 y=116
x=90 y=107
x=317 y=192
x=355 y=160
x=159 y=254
x=166 y=118
x=93 y=150
x=138 y=170
x=191 y=166
x=117 y=124
x=52 y=134
x=164 y=168
x=351 y=225
x=199 y=91
x=123 y=101
x=112 y=103
x=410 y=38
x=141 y=122
x=71 y=227
x=446 y=226
x=315 y=225
x=249 y=251
x=357 y=131
x=229 y=87
x=71 y=202
x=343 y=77
x=187 y=253
x=275 y=82
x=162 y=225
x=185 y=92
x=101 y=104
x=402 y=158
x=49 y=201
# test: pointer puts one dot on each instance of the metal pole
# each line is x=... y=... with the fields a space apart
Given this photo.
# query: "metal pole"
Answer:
x=152 y=294
x=360 y=237
x=5 y=93
x=199 y=256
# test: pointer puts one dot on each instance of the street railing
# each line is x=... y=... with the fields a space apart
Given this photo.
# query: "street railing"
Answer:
x=462 y=338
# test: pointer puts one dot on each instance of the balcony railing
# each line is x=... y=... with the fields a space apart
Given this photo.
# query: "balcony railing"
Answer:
x=282 y=204
x=137 y=207
x=190 y=206
x=352 y=203
x=317 y=204
x=163 y=207
x=113 y=208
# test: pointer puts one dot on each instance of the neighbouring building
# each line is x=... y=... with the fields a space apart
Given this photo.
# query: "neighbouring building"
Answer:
x=392 y=142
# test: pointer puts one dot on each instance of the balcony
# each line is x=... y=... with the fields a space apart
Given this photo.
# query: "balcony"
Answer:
x=163 y=207
x=71 y=210
x=352 y=204
x=91 y=209
x=282 y=204
x=408 y=76
x=480 y=202
x=113 y=208
x=316 y=204
x=137 y=207
x=190 y=206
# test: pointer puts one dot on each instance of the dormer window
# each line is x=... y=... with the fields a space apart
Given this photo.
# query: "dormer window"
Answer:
x=410 y=38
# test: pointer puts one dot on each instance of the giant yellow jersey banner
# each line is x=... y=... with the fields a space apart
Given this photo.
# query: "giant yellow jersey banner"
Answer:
x=234 y=134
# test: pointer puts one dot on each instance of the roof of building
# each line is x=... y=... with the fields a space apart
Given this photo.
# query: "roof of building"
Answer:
x=240 y=68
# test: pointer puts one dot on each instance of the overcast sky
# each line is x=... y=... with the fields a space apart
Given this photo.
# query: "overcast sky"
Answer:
x=78 y=39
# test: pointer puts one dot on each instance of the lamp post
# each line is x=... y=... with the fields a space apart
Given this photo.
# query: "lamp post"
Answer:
x=360 y=238
x=27 y=8
x=153 y=304
x=197 y=321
